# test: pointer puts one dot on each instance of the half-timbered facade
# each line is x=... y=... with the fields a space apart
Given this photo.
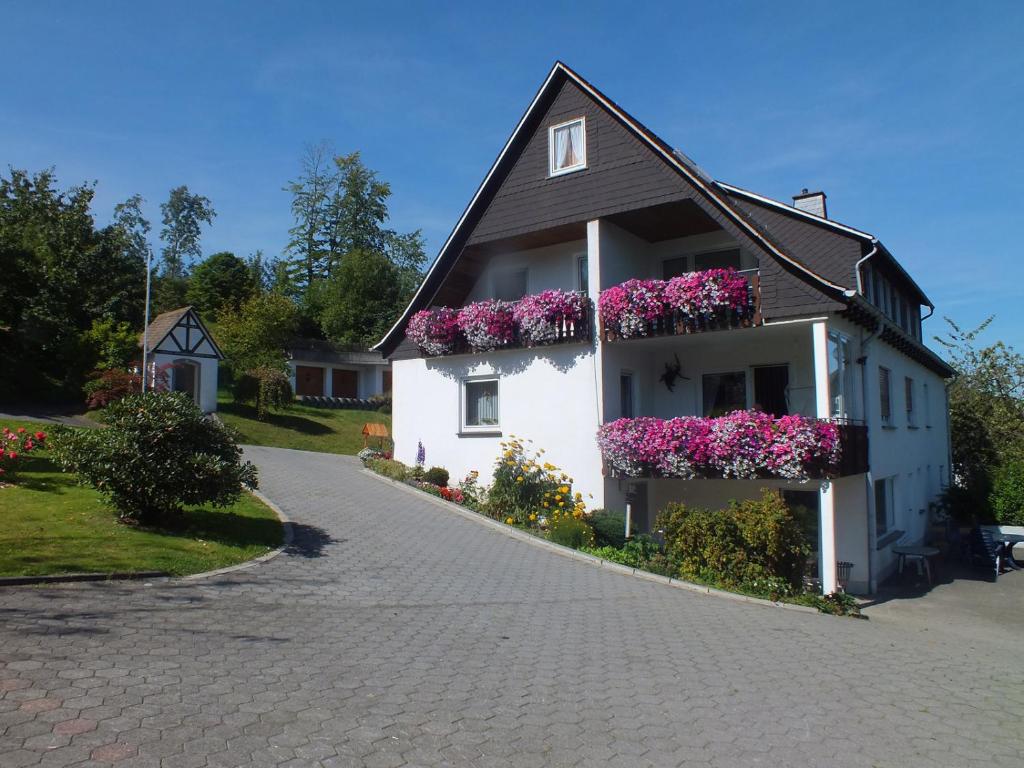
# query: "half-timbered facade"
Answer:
x=821 y=322
x=182 y=350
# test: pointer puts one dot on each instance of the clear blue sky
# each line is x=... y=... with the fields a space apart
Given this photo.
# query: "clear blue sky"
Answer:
x=909 y=115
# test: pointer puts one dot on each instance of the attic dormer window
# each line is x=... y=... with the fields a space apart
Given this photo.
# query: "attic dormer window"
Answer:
x=567 y=147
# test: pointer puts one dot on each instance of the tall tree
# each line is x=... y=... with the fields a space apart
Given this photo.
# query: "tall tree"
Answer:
x=184 y=213
x=58 y=274
x=221 y=282
x=362 y=299
x=986 y=413
x=311 y=194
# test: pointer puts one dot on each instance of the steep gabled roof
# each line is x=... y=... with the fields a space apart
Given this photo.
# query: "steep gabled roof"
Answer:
x=677 y=161
x=810 y=220
x=164 y=324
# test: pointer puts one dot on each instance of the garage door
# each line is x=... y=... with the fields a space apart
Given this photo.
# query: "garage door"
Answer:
x=345 y=383
x=309 y=380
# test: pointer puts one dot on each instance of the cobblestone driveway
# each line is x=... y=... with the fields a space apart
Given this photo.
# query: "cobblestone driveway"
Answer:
x=396 y=633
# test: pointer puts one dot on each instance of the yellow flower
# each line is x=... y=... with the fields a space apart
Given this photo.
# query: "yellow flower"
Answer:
x=519 y=479
x=578 y=495
x=577 y=514
x=509 y=521
x=563 y=489
x=533 y=517
x=546 y=504
x=558 y=497
x=561 y=503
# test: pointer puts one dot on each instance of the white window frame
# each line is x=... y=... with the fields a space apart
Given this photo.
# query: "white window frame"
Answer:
x=841 y=402
x=927 y=405
x=623 y=375
x=748 y=383
x=581 y=285
x=464 y=401
x=580 y=166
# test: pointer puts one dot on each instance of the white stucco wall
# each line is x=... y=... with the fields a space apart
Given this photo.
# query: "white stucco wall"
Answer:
x=207 y=375
x=548 y=396
x=553 y=266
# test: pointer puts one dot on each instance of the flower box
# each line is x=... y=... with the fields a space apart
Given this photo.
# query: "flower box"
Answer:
x=696 y=301
x=741 y=444
x=550 y=317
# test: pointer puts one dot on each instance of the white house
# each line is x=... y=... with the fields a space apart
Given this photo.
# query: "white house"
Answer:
x=181 y=349
x=583 y=197
x=322 y=369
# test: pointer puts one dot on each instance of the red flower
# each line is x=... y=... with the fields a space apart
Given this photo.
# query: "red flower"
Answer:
x=40 y=436
x=21 y=430
x=12 y=455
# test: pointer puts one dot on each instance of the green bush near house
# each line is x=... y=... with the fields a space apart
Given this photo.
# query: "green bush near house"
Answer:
x=748 y=544
x=1007 y=496
x=392 y=468
x=609 y=528
x=157 y=454
x=436 y=476
x=571 y=532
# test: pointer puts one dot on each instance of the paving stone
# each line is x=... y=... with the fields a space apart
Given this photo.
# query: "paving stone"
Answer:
x=396 y=633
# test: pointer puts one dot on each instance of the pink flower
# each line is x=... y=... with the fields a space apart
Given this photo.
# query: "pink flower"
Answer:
x=487 y=324
x=434 y=331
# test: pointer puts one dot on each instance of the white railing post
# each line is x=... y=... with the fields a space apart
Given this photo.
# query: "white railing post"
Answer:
x=629 y=517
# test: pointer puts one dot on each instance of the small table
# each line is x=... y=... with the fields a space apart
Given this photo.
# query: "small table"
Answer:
x=1008 y=540
x=919 y=555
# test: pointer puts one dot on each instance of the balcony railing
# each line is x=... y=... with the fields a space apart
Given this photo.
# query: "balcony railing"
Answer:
x=716 y=299
x=743 y=444
x=539 y=320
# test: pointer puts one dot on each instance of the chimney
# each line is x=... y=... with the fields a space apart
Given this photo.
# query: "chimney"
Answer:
x=811 y=202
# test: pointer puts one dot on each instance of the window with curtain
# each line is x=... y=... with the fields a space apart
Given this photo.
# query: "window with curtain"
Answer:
x=884 y=506
x=480 y=404
x=568 y=151
x=724 y=393
x=908 y=393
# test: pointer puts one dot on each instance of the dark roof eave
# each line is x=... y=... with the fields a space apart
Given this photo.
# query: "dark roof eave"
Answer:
x=896 y=336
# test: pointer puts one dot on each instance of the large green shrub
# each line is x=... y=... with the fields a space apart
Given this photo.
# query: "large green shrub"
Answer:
x=436 y=476
x=1007 y=497
x=750 y=542
x=157 y=453
x=570 y=531
x=609 y=528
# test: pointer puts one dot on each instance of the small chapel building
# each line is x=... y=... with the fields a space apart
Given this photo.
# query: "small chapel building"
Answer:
x=181 y=348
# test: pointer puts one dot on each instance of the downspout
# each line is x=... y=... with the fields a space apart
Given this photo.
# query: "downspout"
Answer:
x=856 y=267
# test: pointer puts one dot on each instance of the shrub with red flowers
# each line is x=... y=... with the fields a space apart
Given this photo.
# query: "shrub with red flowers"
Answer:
x=741 y=444
x=545 y=316
x=435 y=331
x=629 y=309
x=487 y=324
x=14 y=444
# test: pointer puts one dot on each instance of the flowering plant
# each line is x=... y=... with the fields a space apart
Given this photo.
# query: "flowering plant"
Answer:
x=707 y=292
x=629 y=307
x=529 y=491
x=435 y=331
x=487 y=324
x=741 y=444
x=542 y=316
x=14 y=444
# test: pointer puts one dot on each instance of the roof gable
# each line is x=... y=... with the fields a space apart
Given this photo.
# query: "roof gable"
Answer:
x=181 y=332
x=640 y=170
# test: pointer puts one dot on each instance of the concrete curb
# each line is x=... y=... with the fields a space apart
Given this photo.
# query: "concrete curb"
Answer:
x=289 y=537
x=574 y=554
x=70 y=578
x=74 y=578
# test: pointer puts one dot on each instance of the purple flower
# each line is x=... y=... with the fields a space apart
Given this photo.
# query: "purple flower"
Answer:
x=487 y=324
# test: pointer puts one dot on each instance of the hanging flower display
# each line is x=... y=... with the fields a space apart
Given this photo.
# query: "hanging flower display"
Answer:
x=435 y=331
x=741 y=444
x=546 y=316
x=487 y=324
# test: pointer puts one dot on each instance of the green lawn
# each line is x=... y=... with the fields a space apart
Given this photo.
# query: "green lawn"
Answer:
x=53 y=526
x=301 y=426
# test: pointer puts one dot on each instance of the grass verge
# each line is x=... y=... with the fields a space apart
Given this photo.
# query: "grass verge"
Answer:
x=301 y=427
x=53 y=526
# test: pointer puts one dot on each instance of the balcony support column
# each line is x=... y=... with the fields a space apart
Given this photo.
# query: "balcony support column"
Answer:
x=826 y=494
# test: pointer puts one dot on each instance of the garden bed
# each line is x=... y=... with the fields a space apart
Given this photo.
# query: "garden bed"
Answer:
x=54 y=526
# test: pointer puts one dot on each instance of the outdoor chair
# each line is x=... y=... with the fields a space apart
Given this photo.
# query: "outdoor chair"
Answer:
x=986 y=552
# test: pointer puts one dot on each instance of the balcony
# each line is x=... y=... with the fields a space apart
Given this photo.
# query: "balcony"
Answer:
x=539 y=320
x=742 y=444
x=711 y=300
